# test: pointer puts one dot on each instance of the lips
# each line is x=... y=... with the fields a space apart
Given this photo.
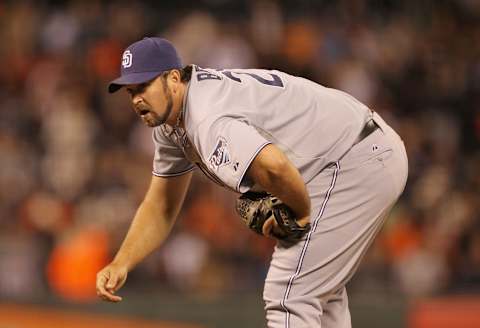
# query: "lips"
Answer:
x=142 y=110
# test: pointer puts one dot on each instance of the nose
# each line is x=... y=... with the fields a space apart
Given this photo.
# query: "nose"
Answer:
x=136 y=99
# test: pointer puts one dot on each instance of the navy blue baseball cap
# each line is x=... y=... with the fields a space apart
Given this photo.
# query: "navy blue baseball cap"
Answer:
x=144 y=60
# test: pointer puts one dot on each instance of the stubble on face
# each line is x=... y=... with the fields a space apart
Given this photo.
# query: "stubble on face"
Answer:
x=152 y=118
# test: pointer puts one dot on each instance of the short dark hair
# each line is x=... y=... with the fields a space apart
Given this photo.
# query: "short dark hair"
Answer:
x=185 y=73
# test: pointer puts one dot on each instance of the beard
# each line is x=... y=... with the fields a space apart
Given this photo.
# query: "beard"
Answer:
x=152 y=119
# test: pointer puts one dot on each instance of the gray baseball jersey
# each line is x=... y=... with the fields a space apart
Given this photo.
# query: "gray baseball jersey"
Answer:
x=230 y=115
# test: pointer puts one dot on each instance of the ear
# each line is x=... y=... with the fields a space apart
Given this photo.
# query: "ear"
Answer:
x=175 y=76
x=175 y=79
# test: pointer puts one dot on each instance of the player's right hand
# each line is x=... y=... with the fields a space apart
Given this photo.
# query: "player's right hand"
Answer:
x=109 y=280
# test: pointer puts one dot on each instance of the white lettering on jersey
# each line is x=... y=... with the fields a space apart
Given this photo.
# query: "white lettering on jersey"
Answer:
x=220 y=155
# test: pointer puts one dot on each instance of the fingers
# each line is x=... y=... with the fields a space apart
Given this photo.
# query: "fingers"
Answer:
x=302 y=222
x=268 y=226
x=112 y=282
x=104 y=281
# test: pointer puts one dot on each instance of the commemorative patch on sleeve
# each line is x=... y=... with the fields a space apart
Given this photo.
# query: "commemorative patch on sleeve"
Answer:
x=220 y=155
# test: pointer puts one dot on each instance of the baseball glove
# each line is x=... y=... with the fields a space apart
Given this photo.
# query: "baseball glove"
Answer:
x=256 y=208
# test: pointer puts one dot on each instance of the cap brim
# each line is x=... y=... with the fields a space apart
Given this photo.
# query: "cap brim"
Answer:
x=132 y=78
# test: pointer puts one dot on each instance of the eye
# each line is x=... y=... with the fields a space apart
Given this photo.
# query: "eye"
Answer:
x=142 y=87
x=138 y=88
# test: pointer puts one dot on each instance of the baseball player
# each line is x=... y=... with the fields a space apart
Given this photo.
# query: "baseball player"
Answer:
x=316 y=169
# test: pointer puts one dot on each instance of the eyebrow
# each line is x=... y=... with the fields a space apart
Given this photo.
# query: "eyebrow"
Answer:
x=137 y=88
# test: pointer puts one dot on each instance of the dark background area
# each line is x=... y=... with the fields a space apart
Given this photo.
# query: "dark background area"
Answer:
x=76 y=161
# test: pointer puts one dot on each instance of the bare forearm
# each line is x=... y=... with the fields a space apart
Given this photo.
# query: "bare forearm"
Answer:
x=150 y=227
x=277 y=175
x=291 y=191
x=154 y=219
x=148 y=230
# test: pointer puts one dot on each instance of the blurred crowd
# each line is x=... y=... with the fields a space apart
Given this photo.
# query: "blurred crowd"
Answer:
x=76 y=161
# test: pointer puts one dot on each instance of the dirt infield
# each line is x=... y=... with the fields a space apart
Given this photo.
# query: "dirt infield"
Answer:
x=40 y=317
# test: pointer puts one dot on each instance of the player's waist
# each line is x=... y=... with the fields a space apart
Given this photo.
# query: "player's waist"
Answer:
x=369 y=127
x=373 y=123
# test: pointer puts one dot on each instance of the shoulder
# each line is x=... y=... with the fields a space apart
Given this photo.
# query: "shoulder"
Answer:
x=205 y=83
x=205 y=95
x=162 y=134
x=200 y=74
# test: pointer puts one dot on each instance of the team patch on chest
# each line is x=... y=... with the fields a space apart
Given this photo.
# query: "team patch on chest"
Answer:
x=220 y=155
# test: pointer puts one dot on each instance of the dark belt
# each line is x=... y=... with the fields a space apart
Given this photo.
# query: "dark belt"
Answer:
x=368 y=129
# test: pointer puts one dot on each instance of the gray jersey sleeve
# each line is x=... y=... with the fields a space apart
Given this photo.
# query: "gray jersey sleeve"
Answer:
x=228 y=147
x=169 y=159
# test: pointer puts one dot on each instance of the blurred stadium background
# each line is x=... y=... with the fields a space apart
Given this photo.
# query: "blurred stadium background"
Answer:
x=75 y=161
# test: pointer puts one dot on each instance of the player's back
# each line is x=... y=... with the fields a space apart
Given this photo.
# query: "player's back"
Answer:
x=312 y=124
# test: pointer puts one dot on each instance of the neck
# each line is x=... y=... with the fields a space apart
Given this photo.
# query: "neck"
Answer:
x=181 y=103
x=179 y=117
x=176 y=118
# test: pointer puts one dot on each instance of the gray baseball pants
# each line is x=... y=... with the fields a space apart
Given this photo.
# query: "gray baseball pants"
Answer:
x=305 y=285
